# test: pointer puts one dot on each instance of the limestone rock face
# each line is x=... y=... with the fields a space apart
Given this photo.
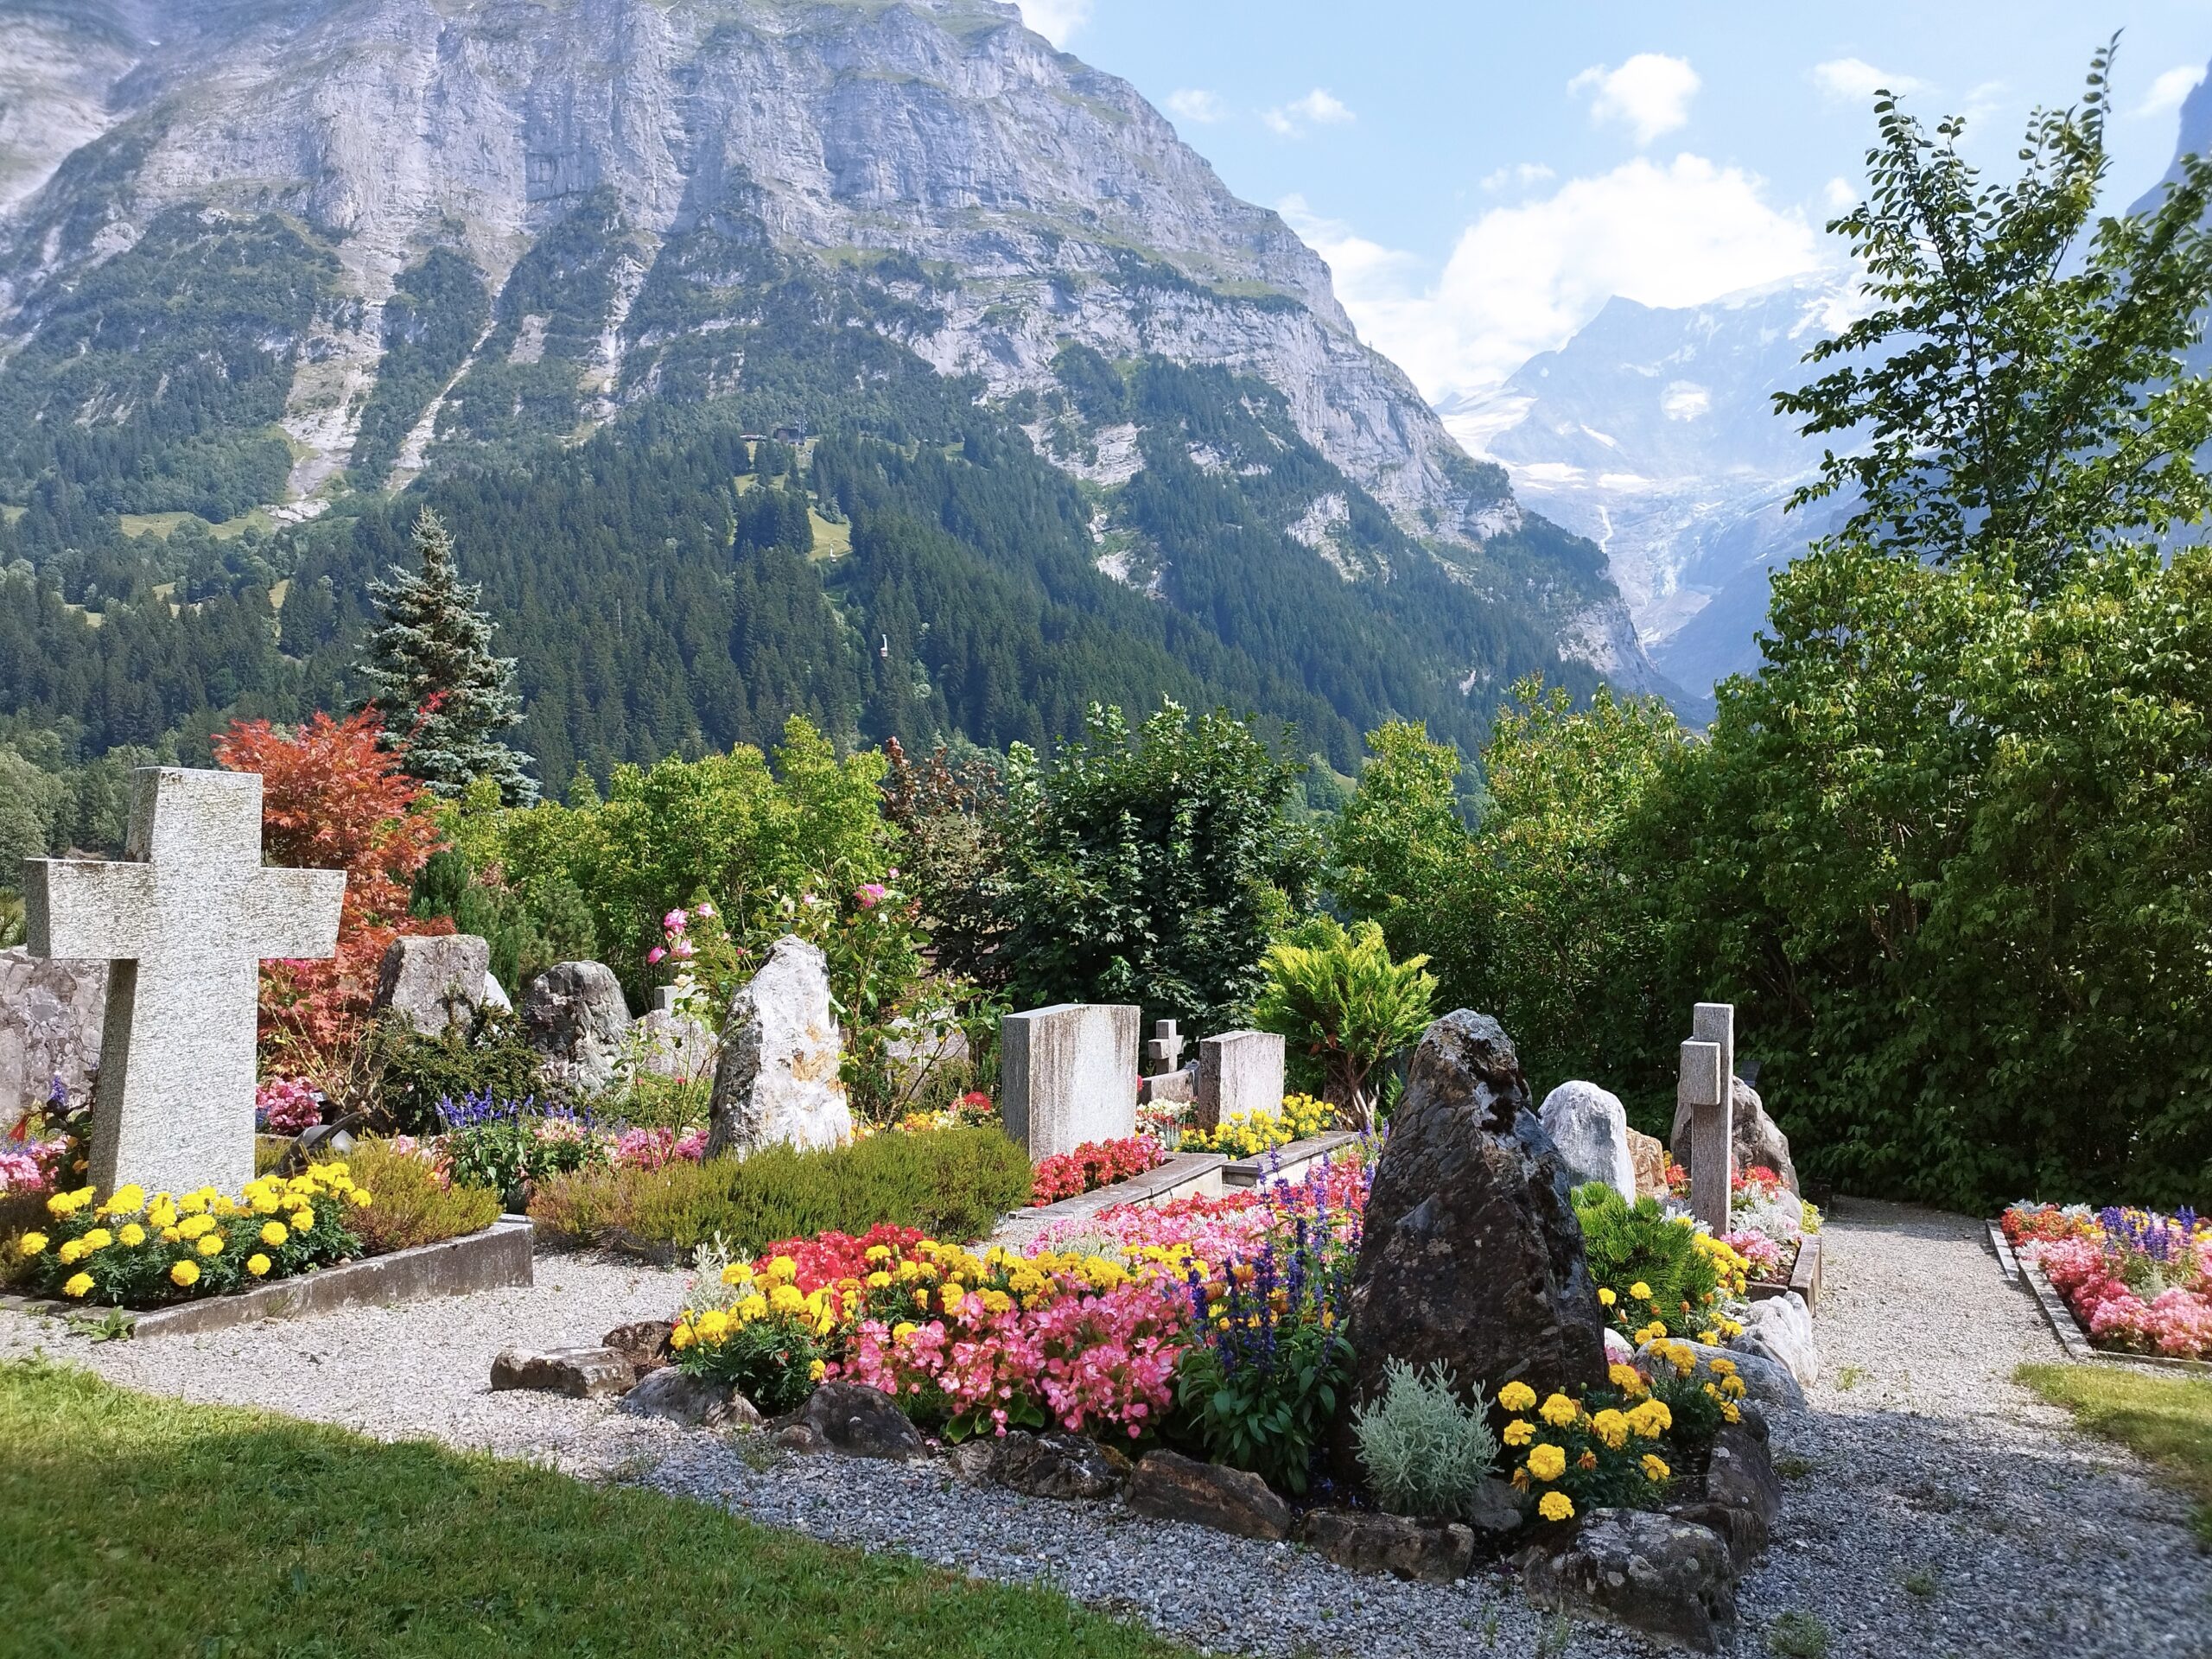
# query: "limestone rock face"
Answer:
x=50 y=1016
x=1755 y=1139
x=1472 y=1256
x=575 y=1017
x=776 y=1079
x=433 y=982
x=1589 y=1126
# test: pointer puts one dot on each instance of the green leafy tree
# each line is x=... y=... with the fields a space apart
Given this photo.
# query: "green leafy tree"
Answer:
x=1336 y=999
x=433 y=678
x=2018 y=399
x=1151 y=871
x=1399 y=852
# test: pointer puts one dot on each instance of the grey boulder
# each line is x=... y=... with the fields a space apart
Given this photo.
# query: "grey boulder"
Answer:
x=1765 y=1381
x=580 y=1373
x=1366 y=1540
x=1754 y=1140
x=778 y=1076
x=859 y=1421
x=1780 y=1329
x=1589 y=1126
x=693 y=1401
x=1176 y=1488
x=1056 y=1465
x=434 y=982
x=1669 y=1579
x=574 y=1017
x=51 y=1012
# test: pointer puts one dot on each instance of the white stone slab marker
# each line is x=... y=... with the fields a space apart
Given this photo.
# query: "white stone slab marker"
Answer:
x=1068 y=1074
x=186 y=921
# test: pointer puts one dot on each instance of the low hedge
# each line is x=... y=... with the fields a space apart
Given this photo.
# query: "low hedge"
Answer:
x=407 y=1206
x=952 y=1184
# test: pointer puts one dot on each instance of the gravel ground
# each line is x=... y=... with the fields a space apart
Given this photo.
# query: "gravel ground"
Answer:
x=1934 y=1508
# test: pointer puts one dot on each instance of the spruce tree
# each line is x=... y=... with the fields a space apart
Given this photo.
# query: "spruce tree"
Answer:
x=433 y=677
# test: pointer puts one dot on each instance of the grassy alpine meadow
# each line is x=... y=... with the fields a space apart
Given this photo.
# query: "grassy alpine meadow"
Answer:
x=133 y=1525
x=2167 y=1419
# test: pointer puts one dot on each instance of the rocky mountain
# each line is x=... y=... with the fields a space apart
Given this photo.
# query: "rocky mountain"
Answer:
x=270 y=260
x=1652 y=432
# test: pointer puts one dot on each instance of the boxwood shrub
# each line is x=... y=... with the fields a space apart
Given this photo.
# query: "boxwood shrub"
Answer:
x=952 y=1184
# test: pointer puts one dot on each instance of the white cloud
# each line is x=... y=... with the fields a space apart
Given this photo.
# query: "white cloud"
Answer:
x=1196 y=104
x=2168 y=89
x=1521 y=173
x=1840 y=195
x=1854 y=80
x=1318 y=108
x=1650 y=94
x=1056 y=19
x=1523 y=278
x=1684 y=400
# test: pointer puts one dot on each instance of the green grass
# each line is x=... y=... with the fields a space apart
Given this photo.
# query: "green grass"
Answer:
x=2167 y=1419
x=133 y=1526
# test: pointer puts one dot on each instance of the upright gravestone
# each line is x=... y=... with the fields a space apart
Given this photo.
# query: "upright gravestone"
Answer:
x=1164 y=1051
x=1068 y=1074
x=1238 y=1072
x=186 y=919
x=1707 y=1074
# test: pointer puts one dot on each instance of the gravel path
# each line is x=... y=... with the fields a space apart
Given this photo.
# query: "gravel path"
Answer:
x=1933 y=1507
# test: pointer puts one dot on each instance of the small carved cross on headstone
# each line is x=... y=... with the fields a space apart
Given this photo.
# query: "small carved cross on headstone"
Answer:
x=1707 y=1089
x=186 y=921
x=1164 y=1051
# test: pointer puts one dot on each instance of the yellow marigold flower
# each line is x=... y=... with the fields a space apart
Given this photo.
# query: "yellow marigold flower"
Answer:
x=184 y=1273
x=1641 y=1291
x=162 y=1215
x=1520 y=1431
x=79 y=1284
x=264 y=1204
x=950 y=1299
x=1611 y=1428
x=128 y=1200
x=737 y=1273
x=901 y=1330
x=680 y=1338
x=1655 y=1468
x=274 y=1233
x=1516 y=1396
x=211 y=1245
x=1546 y=1461
x=359 y=1198
x=713 y=1325
x=302 y=1220
x=786 y=1299
x=817 y=1370
x=1721 y=1365
x=1559 y=1411
x=72 y=1249
x=131 y=1234
x=257 y=1264
x=1519 y=1480
x=1733 y=1387
x=193 y=1225
x=1626 y=1378
x=784 y=1267
x=193 y=1203
x=59 y=1205
x=1605 y=1295
x=1555 y=1506
x=751 y=1307
x=172 y=1235
x=31 y=1243
x=1587 y=1460
x=878 y=1282
x=879 y=1252
x=1709 y=1337
x=1729 y=1414
x=98 y=1239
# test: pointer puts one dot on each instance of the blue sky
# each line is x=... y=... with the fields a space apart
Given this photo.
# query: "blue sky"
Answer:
x=1482 y=177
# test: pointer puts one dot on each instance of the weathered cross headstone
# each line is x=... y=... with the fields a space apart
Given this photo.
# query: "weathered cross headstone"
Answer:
x=186 y=919
x=1068 y=1074
x=1238 y=1072
x=1164 y=1051
x=1707 y=1077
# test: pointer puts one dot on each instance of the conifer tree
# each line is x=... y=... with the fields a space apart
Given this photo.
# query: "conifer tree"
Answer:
x=433 y=677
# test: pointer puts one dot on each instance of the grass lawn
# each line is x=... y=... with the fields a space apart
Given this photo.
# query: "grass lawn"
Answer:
x=2166 y=1418
x=132 y=1526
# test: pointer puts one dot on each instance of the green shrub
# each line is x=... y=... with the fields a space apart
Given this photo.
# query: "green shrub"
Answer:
x=402 y=1075
x=952 y=1184
x=1425 y=1451
x=1640 y=1244
x=408 y=1207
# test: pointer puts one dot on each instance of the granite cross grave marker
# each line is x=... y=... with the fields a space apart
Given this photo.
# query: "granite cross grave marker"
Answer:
x=186 y=920
x=1708 y=1069
x=1164 y=1053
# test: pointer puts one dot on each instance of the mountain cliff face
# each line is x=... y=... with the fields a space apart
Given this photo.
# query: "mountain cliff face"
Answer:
x=277 y=254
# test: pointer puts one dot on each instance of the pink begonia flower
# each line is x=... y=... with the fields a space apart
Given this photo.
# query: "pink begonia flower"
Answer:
x=655 y=954
x=673 y=921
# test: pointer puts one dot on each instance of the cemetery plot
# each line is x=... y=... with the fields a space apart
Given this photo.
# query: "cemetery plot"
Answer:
x=2117 y=1283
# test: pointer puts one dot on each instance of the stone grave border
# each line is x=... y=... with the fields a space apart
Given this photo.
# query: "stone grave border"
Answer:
x=1183 y=1175
x=495 y=1258
x=1804 y=1276
x=1290 y=1162
x=2073 y=1340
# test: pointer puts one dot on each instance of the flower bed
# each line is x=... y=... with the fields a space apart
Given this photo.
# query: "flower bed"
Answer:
x=1093 y=1164
x=1246 y=1134
x=2138 y=1282
x=1659 y=1274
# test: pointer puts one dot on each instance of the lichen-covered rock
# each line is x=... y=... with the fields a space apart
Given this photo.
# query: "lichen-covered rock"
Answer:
x=1739 y=1474
x=433 y=981
x=670 y=1045
x=1177 y=1487
x=1754 y=1140
x=575 y=1016
x=860 y=1421
x=1589 y=1126
x=778 y=1076
x=692 y=1401
x=1669 y=1579
x=644 y=1343
x=1472 y=1256
x=1056 y=1465
x=580 y=1373
x=1367 y=1541
x=50 y=1016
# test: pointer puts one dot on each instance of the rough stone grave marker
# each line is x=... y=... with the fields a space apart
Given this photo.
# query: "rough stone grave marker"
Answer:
x=1238 y=1072
x=1707 y=1076
x=1164 y=1051
x=186 y=919
x=1068 y=1074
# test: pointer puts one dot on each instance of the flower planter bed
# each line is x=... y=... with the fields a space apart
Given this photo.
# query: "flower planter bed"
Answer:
x=1181 y=1175
x=2122 y=1286
x=1288 y=1163
x=1804 y=1276
x=2075 y=1340
x=499 y=1256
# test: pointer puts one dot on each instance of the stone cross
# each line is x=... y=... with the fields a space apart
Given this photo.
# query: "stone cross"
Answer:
x=186 y=920
x=1164 y=1051
x=1707 y=1076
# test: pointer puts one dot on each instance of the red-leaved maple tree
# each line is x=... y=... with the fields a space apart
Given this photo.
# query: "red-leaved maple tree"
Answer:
x=333 y=797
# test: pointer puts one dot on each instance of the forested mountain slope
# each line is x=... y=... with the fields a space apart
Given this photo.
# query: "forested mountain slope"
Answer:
x=1069 y=421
